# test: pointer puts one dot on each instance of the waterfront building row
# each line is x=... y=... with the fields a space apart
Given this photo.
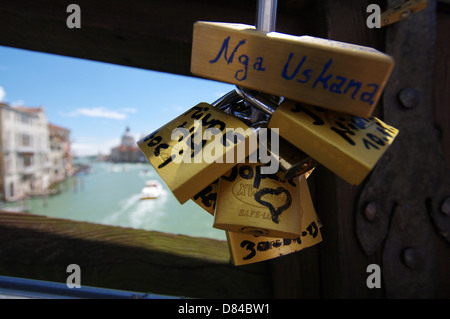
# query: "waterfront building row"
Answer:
x=33 y=153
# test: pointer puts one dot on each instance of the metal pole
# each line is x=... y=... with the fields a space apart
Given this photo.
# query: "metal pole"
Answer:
x=267 y=15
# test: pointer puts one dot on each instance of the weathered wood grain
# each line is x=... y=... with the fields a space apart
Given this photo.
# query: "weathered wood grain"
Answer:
x=147 y=34
x=38 y=247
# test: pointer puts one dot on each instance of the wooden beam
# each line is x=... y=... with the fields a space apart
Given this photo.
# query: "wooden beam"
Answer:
x=441 y=113
x=342 y=261
x=335 y=268
x=37 y=247
x=148 y=34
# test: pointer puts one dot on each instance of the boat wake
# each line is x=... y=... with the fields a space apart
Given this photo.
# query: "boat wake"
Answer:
x=137 y=213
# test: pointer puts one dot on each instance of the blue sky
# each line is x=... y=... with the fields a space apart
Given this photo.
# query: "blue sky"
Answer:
x=97 y=101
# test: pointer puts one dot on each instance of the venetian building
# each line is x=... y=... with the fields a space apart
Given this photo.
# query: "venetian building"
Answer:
x=127 y=151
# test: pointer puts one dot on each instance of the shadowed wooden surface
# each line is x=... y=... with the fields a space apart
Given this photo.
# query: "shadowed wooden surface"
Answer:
x=38 y=247
x=147 y=34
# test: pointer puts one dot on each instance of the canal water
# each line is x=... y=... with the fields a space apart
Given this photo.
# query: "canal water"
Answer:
x=110 y=195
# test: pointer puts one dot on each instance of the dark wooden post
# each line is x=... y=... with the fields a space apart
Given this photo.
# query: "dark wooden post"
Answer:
x=398 y=218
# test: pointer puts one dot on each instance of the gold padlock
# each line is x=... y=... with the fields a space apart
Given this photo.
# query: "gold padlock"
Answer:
x=246 y=249
x=340 y=76
x=349 y=146
x=187 y=158
x=207 y=197
x=253 y=203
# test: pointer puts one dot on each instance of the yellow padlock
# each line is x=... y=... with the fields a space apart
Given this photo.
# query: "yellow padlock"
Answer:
x=187 y=158
x=347 y=145
x=207 y=197
x=339 y=76
x=246 y=249
x=250 y=202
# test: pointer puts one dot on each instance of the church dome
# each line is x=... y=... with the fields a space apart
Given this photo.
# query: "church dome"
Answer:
x=128 y=139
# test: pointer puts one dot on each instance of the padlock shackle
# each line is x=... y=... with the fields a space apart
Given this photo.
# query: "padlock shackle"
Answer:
x=228 y=103
x=267 y=15
x=257 y=99
x=226 y=100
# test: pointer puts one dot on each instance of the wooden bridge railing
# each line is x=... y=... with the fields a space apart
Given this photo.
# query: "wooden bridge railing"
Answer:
x=38 y=247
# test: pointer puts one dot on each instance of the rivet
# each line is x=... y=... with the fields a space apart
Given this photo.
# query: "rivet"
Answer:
x=445 y=206
x=408 y=97
x=370 y=212
x=406 y=13
x=412 y=258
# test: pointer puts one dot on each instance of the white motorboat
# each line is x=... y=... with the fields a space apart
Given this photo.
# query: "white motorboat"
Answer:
x=151 y=190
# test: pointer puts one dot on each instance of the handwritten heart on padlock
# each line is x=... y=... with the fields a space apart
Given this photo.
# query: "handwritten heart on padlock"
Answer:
x=275 y=212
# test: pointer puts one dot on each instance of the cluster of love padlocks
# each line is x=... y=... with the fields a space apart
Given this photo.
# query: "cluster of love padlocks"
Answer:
x=299 y=102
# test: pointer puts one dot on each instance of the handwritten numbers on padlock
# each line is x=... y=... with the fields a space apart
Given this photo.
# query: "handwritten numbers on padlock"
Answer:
x=246 y=249
x=347 y=145
x=186 y=156
x=344 y=77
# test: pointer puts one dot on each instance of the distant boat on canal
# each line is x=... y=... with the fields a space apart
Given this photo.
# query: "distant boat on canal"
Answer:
x=151 y=190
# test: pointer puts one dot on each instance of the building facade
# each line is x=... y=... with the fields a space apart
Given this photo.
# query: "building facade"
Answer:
x=26 y=168
x=127 y=151
x=60 y=153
